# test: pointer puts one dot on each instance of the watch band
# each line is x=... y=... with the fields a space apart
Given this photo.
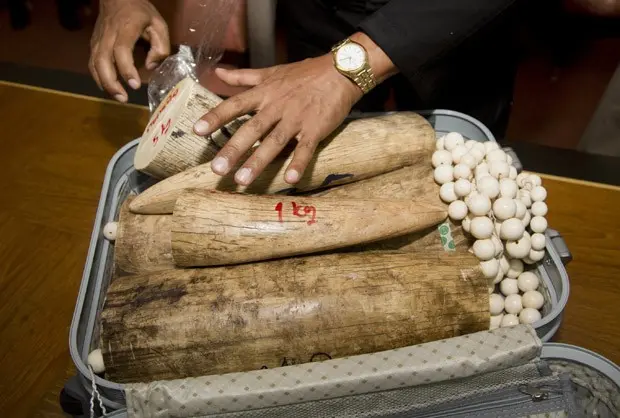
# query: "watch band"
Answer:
x=365 y=79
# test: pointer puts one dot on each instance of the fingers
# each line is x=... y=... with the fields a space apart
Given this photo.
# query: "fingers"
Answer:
x=103 y=63
x=93 y=70
x=159 y=38
x=245 y=77
x=227 y=111
x=250 y=132
x=123 y=55
x=269 y=149
x=304 y=152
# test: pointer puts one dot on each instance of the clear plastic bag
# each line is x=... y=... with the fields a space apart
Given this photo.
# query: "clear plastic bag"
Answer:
x=201 y=47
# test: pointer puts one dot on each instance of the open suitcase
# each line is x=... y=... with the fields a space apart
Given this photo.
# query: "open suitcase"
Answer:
x=504 y=372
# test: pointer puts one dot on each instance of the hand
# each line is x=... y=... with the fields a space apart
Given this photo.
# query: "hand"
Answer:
x=119 y=25
x=305 y=100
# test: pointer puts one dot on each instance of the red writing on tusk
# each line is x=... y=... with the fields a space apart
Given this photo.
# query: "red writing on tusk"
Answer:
x=300 y=211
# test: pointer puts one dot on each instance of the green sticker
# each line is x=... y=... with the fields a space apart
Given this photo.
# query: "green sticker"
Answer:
x=445 y=235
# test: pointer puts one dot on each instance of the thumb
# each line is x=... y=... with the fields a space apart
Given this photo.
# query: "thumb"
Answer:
x=245 y=77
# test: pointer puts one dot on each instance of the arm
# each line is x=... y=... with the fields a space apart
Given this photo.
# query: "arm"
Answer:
x=414 y=34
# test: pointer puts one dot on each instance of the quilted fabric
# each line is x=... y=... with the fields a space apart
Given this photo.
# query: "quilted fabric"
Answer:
x=433 y=362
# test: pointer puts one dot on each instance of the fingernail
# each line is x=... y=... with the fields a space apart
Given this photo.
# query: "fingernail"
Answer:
x=291 y=176
x=243 y=176
x=201 y=127
x=121 y=98
x=220 y=165
x=133 y=83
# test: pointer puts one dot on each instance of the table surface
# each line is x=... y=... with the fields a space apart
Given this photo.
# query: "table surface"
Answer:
x=56 y=147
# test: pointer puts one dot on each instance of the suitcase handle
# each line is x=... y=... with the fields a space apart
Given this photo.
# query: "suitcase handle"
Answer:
x=558 y=243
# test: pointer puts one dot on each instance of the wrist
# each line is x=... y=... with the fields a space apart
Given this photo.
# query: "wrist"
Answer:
x=381 y=65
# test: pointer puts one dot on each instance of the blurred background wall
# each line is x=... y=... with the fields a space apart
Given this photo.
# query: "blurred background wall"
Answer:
x=565 y=93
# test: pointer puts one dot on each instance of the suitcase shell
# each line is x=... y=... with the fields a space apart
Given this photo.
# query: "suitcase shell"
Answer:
x=121 y=179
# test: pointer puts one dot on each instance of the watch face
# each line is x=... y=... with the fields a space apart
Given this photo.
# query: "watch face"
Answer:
x=350 y=57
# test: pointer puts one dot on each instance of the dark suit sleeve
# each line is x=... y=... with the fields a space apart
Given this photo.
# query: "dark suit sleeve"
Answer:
x=416 y=33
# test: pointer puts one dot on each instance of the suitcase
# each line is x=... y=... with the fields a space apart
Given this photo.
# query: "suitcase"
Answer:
x=363 y=391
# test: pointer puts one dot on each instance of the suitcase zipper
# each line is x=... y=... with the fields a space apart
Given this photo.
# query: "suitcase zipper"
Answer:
x=522 y=400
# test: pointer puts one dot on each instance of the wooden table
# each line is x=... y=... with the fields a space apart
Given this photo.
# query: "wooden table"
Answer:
x=55 y=148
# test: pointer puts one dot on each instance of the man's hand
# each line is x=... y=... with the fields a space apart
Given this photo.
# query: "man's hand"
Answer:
x=119 y=25
x=305 y=101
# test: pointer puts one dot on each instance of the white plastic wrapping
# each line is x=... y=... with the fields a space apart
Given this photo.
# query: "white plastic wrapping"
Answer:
x=201 y=47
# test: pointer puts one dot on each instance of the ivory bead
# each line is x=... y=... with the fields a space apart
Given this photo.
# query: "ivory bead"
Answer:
x=457 y=210
x=481 y=168
x=524 y=196
x=508 y=188
x=499 y=277
x=481 y=227
x=504 y=208
x=496 y=155
x=526 y=219
x=491 y=290
x=95 y=360
x=479 y=205
x=509 y=320
x=539 y=209
x=512 y=174
x=533 y=299
x=469 y=144
x=499 y=169
x=484 y=249
x=521 y=178
x=519 y=248
x=538 y=194
x=439 y=145
x=462 y=187
x=521 y=209
x=458 y=152
x=538 y=224
x=536 y=256
x=110 y=231
x=488 y=186
x=538 y=242
x=469 y=160
x=509 y=287
x=452 y=140
x=504 y=264
x=516 y=268
x=496 y=321
x=513 y=304
x=447 y=192
x=534 y=180
x=477 y=154
x=480 y=147
x=512 y=229
x=496 y=304
x=461 y=171
x=441 y=157
x=528 y=260
x=443 y=174
x=490 y=146
x=466 y=223
x=529 y=316
x=497 y=243
x=489 y=268
x=528 y=281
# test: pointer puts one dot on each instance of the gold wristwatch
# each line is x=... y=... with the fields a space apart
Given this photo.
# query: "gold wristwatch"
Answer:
x=351 y=60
